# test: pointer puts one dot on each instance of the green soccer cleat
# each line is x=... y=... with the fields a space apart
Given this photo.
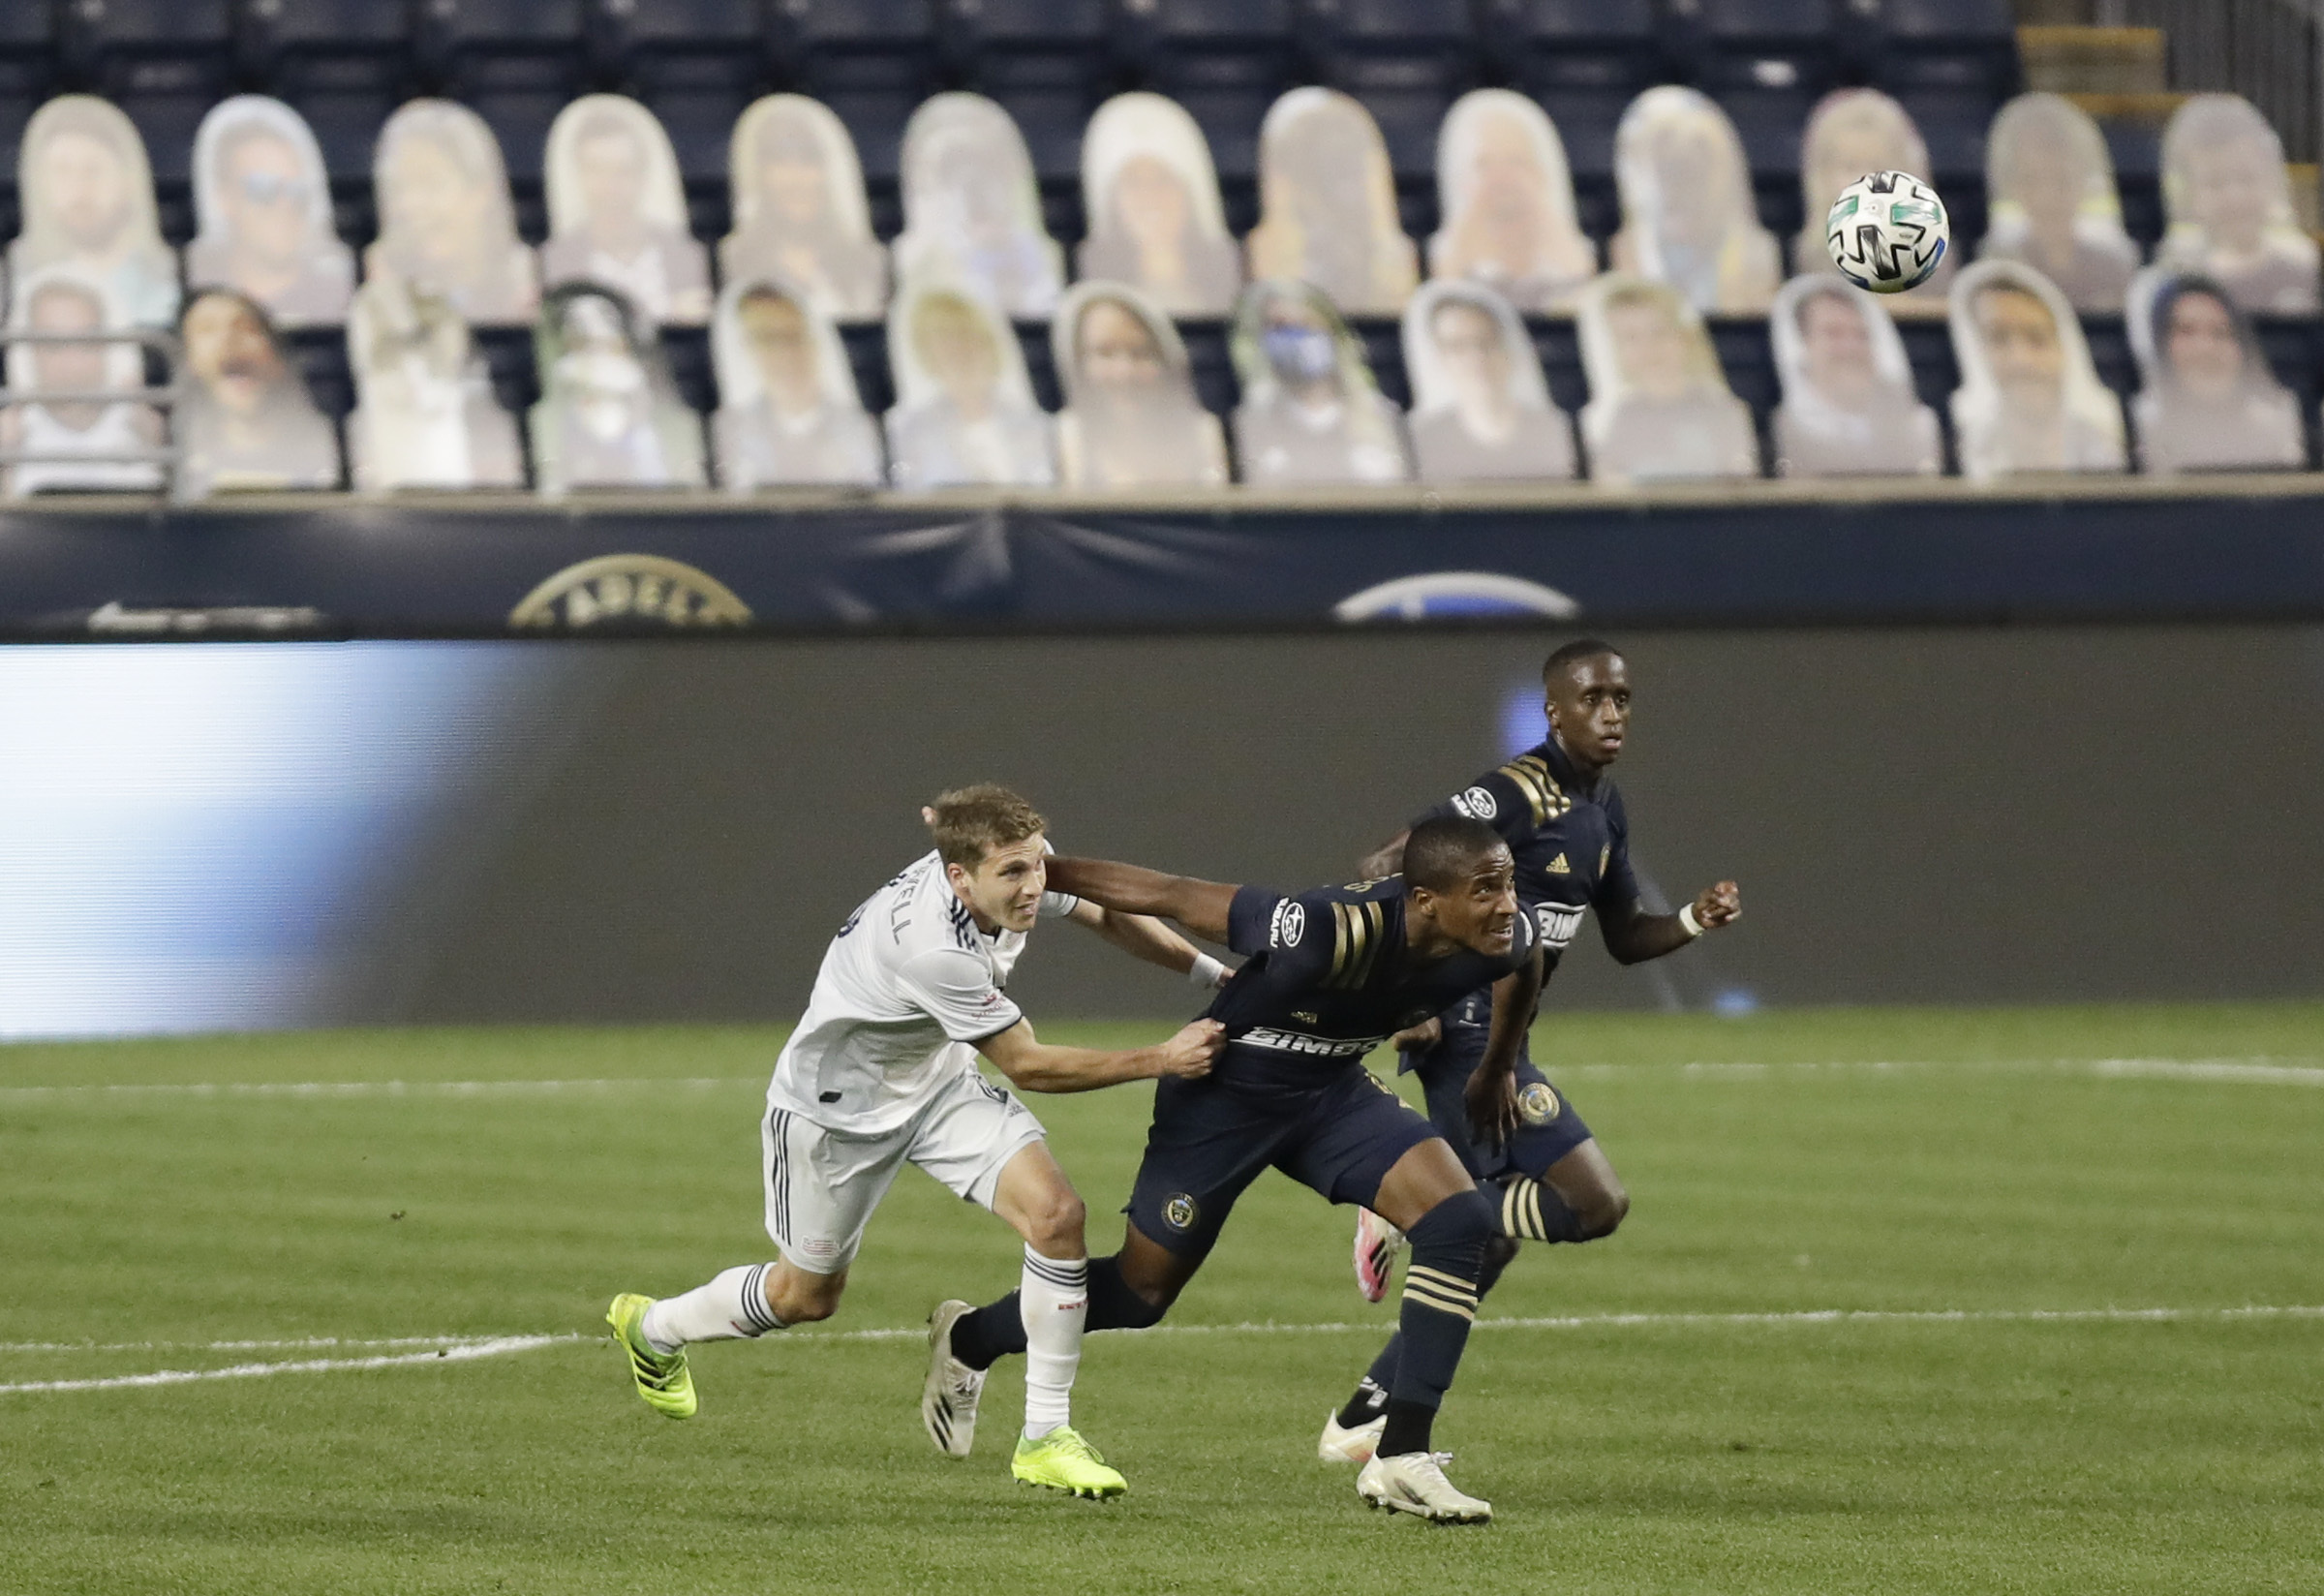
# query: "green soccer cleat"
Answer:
x=662 y=1377
x=1062 y=1460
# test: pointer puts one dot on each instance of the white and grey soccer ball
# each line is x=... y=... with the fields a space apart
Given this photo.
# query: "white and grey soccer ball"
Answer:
x=1887 y=232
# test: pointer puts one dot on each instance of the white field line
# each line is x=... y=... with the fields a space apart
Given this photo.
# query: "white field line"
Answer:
x=2257 y=1069
x=295 y=1344
x=463 y=1352
x=465 y=1349
x=373 y=1089
x=1651 y=1321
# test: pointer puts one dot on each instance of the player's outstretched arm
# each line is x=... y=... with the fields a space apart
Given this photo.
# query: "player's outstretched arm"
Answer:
x=1142 y=936
x=1036 y=1067
x=1386 y=860
x=1643 y=936
x=1200 y=907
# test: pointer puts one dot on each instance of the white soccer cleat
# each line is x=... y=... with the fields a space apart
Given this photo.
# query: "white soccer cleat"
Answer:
x=1377 y=1242
x=948 y=1398
x=1350 y=1445
x=1415 y=1483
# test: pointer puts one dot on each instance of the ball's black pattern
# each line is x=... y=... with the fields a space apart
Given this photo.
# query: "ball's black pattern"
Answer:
x=1887 y=232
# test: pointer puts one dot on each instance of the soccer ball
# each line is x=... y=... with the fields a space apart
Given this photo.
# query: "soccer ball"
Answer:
x=1887 y=232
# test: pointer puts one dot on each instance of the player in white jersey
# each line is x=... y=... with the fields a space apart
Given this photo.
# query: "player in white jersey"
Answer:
x=881 y=1072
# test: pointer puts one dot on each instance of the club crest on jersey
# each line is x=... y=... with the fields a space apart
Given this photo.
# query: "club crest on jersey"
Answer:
x=1537 y=1104
x=1477 y=804
x=1287 y=924
x=1181 y=1212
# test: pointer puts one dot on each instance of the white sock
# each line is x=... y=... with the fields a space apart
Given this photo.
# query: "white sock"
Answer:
x=731 y=1307
x=1052 y=1298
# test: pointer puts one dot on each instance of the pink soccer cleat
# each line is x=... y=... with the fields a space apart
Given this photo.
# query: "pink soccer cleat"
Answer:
x=1377 y=1242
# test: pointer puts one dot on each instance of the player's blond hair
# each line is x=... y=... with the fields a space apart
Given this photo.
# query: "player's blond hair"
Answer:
x=971 y=821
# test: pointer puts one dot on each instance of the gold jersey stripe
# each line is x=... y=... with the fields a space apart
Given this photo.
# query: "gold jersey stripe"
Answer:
x=1542 y=794
x=1357 y=932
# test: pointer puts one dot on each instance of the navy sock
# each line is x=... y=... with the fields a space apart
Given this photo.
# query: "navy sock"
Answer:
x=1532 y=1212
x=997 y=1331
x=993 y=1332
x=1371 y=1392
x=1407 y=1430
x=1440 y=1302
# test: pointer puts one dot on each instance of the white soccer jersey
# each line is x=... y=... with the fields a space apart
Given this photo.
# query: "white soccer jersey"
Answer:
x=906 y=988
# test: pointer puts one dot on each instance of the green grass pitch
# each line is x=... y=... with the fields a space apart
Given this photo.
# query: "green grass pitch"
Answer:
x=1989 y=1164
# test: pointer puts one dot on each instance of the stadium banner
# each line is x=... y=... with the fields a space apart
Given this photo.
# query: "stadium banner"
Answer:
x=356 y=569
x=227 y=836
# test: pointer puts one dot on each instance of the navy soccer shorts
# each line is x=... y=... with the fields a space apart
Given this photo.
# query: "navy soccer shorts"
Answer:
x=1212 y=1139
x=1547 y=1126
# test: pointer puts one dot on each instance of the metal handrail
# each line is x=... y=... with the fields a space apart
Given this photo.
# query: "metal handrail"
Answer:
x=163 y=398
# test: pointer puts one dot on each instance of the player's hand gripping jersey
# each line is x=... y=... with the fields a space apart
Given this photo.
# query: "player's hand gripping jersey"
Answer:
x=907 y=988
x=1329 y=978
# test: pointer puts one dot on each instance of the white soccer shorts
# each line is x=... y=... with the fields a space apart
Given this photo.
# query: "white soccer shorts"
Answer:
x=822 y=1185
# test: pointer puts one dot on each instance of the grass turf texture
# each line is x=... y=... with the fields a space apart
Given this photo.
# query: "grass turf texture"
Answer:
x=1874 y=1456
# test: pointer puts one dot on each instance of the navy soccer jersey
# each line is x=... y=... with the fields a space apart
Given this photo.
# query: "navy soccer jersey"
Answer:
x=1328 y=976
x=1572 y=846
x=1570 y=842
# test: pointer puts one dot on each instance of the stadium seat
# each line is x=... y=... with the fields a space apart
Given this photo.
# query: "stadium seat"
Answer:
x=696 y=64
x=515 y=63
x=1942 y=44
x=1586 y=120
x=1762 y=43
x=1383 y=338
x=2109 y=342
x=1610 y=45
x=165 y=63
x=2136 y=152
x=1407 y=60
x=1558 y=344
x=320 y=356
x=1210 y=364
x=2295 y=349
x=1049 y=63
x=687 y=351
x=1749 y=361
x=28 y=69
x=1952 y=123
x=866 y=346
x=344 y=65
x=872 y=62
x=509 y=360
x=1225 y=61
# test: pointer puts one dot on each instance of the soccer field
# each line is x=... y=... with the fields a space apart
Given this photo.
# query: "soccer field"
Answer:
x=2083 y=1251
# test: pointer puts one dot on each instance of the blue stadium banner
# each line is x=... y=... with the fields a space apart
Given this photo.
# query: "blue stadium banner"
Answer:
x=348 y=568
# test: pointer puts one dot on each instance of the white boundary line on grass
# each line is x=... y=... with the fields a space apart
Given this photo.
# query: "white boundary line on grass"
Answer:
x=2256 y=1069
x=450 y=1352
x=464 y=1349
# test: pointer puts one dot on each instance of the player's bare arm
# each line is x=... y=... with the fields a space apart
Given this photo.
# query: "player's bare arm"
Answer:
x=1200 y=907
x=1142 y=936
x=1036 y=1065
x=1492 y=1092
x=1384 y=860
x=1643 y=936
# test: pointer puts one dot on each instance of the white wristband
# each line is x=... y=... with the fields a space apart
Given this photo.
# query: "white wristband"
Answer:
x=1206 y=974
x=1688 y=924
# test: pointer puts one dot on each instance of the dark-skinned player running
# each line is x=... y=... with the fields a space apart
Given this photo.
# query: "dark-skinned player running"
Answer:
x=1332 y=973
x=1565 y=825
